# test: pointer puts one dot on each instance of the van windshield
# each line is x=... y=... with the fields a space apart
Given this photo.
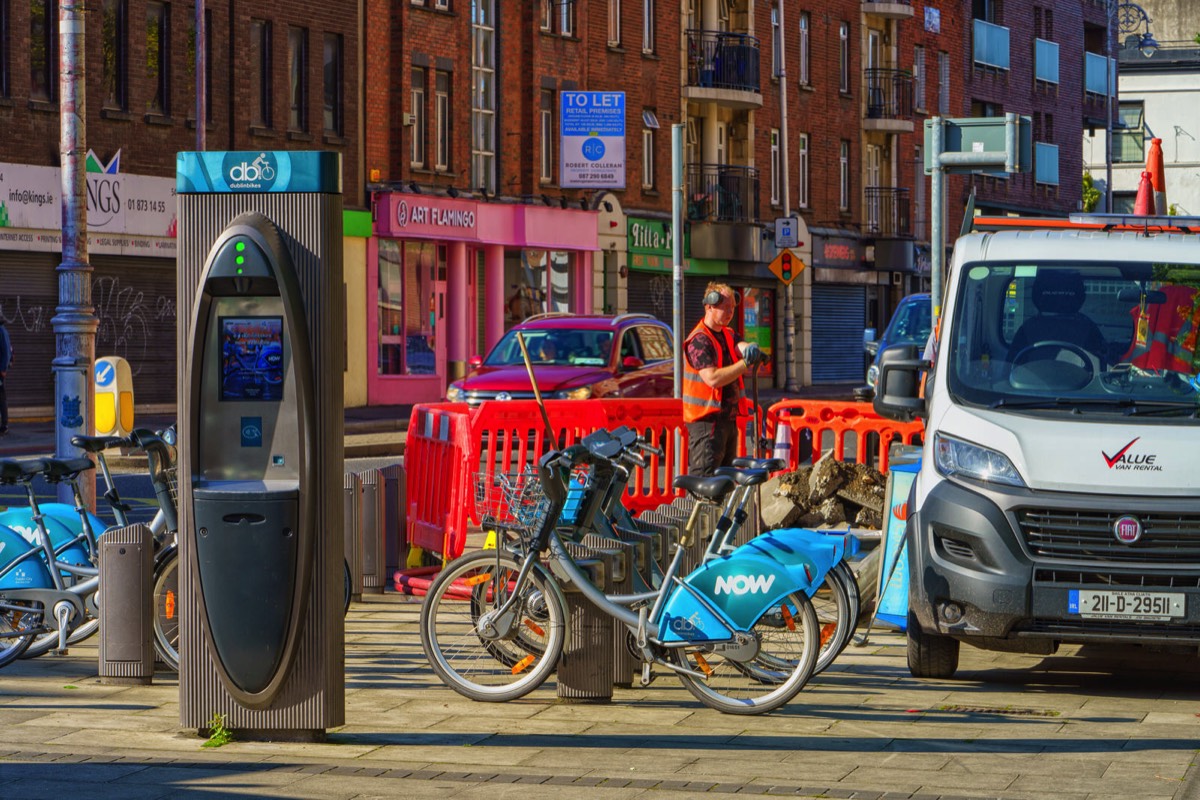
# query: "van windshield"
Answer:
x=562 y=346
x=1080 y=337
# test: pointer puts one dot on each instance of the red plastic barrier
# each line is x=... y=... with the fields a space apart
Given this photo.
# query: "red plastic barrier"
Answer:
x=843 y=420
x=437 y=451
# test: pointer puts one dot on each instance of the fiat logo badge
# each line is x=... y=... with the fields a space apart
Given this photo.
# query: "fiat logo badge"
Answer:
x=504 y=396
x=1127 y=529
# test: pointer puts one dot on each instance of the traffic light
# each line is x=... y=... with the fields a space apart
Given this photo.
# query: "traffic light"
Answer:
x=785 y=267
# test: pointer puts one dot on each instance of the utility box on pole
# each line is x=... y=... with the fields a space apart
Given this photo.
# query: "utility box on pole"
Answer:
x=261 y=325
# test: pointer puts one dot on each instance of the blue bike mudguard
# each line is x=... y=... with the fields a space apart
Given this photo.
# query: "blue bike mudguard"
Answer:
x=824 y=548
x=734 y=591
x=31 y=573
x=20 y=520
x=67 y=515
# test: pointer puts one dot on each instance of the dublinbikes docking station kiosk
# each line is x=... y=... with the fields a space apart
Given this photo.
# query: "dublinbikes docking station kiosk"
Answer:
x=261 y=325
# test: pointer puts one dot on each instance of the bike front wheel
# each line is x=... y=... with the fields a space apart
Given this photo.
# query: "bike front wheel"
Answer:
x=19 y=622
x=479 y=652
x=755 y=680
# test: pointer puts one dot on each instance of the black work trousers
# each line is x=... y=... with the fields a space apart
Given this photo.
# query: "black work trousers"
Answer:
x=712 y=443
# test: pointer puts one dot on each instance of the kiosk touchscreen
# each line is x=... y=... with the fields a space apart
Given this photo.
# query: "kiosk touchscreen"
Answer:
x=252 y=396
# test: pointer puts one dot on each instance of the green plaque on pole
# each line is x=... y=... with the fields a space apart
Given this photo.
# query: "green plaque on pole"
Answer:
x=980 y=135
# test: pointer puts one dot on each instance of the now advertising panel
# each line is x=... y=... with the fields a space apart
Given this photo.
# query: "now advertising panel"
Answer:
x=592 y=140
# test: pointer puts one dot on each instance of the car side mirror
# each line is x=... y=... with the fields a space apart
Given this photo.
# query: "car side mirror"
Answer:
x=898 y=390
x=475 y=362
x=632 y=362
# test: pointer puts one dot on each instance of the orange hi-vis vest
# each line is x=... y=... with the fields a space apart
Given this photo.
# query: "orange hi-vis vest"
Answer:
x=700 y=399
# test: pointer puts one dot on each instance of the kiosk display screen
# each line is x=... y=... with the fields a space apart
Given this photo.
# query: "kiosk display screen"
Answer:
x=252 y=358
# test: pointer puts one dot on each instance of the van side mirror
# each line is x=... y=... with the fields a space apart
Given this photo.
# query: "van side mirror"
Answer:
x=898 y=391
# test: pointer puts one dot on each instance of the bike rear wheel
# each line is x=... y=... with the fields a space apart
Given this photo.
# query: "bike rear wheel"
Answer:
x=166 y=607
x=524 y=649
x=19 y=619
x=766 y=680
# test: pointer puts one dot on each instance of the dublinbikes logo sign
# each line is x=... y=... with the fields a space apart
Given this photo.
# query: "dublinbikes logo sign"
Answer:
x=255 y=174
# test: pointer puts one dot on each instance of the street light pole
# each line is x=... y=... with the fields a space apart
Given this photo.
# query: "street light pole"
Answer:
x=1110 y=85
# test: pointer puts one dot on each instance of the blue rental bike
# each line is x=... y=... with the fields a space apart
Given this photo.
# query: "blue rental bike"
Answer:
x=739 y=631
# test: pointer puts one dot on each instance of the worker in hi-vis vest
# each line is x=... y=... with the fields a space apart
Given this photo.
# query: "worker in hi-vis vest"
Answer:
x=713 y=365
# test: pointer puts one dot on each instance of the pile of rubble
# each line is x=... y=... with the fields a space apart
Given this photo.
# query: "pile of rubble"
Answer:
x=827 y=494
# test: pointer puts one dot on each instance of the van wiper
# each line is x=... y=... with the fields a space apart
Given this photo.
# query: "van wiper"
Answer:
x=1128 y=405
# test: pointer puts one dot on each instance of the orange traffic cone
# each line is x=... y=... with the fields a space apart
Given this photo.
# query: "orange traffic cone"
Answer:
x=1158 y=177
x=1143 y=206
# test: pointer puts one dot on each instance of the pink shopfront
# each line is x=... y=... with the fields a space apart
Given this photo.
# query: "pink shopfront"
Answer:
x=451 y=276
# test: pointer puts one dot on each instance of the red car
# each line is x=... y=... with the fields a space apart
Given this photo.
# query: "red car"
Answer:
x=575 y=357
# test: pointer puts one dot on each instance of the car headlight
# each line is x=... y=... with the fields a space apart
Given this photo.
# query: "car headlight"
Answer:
x=455 y=394
x=582 y=393
x=955 y=457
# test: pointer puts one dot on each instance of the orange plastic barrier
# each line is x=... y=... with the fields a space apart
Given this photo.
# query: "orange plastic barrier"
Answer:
x=438 y=487
x=844 y=420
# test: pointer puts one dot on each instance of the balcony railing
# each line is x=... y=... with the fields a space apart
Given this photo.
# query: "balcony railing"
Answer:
x=722 y=193
x=718 y=60
x=1045 y=163
x=1045 y=57
x=991 y=45
x=889 y=94
x=1095 y=81
x=886 y=213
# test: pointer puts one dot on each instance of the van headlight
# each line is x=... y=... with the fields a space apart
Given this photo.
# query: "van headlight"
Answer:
x=582 y=393
x=872 y=375
x=955 y=457
x=455 y=394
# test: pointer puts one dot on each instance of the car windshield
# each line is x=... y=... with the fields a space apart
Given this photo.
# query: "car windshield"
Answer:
x=563 y=346
x=1079 y=338
x=911 y=324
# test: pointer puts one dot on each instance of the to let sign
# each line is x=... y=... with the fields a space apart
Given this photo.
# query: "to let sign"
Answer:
x=592 y=151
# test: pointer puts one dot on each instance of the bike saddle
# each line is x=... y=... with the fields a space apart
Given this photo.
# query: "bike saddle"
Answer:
x=769 y=464
x=94 y=444
x=12 y=471
x=743 y=476
x=56 y=469
x=713 y=487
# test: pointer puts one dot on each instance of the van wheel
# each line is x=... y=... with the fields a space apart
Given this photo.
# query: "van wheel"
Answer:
x=930 y=655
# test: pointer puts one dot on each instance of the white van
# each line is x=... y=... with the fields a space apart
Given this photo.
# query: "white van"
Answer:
x=1059 y=493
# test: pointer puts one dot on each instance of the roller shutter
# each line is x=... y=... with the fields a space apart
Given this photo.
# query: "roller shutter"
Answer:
x=651 y=293
x=838 y=318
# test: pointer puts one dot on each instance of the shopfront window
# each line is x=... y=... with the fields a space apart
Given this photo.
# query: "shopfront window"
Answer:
x=411 y=305
x=536 y=281
x=758 y=323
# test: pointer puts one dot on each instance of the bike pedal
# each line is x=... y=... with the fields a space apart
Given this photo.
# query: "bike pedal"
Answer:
x=647 y=676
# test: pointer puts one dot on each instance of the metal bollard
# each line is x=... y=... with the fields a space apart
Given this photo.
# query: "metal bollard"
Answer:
x=373 y=574
x=622 y=555
x=585 y=668
x=395 y=514
x=352 y=525
x=126 y=611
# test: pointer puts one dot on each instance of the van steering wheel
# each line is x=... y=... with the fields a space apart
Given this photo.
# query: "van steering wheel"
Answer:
x=1037 y=367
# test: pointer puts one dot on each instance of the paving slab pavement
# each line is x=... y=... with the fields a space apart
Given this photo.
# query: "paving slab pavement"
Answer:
x=1010 y=727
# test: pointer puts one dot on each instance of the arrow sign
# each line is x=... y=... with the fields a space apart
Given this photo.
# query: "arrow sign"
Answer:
x=105 y=372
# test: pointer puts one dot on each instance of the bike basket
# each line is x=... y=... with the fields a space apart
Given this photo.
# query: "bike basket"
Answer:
x=512 y=501
x=171 y=476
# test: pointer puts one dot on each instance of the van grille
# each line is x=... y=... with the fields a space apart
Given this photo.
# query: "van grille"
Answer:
x=1067 y=534
x=1083 y=629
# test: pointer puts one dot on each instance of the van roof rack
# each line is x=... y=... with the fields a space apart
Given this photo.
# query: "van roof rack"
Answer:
x=1093 y=222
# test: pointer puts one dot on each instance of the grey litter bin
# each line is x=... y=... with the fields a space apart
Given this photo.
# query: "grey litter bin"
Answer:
x=352 y=521
x=585 y=667
x=126 y=610
x=373 y=518
x=395 y=542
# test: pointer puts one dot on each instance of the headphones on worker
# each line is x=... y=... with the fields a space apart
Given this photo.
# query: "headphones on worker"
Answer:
x=713 y=298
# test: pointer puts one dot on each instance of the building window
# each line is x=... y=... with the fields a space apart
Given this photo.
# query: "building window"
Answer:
x=776 y=55
x=919 y=77
x=158 y=57
x=483 y=95
x=417 y=105
x=804 y=26
x=332 y=76
x=114 y=47
x=844 y=177
x=260 y=71
x=441 y=5
x=614 y=23
x=547 y=16
x=802 y=169
x=441 y=110
x=943 y=83
x=844 y=58
x=1129 y=139
x=566 y=17
x=775 y=167
x=647 y=26
x=298 y=79
x=647 y=158
x=546 y=116
x=43 y=50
